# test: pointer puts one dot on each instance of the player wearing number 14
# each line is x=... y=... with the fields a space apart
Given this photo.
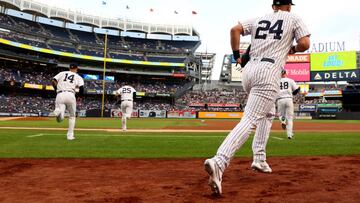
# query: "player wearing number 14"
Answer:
x=66 y=84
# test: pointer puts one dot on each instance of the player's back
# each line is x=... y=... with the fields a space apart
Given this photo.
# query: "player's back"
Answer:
x=287 y=86
x=68 y=81
x=273 y=35
x=126 y=92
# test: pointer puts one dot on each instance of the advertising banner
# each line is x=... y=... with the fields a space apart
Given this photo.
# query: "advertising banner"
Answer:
x=333 y=61
x=223 y=105
x=298 y=58
x=118 y=114
x=197 y=104
x=300 y=72
x=49 y=87
x=349 y=75
x=152 y=114
x=33 y=86
x=220 y=114
x=307 y=107
x=181 y=114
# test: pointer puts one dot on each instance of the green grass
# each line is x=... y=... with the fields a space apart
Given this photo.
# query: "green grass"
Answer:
x=53 y=144
x=102 y=123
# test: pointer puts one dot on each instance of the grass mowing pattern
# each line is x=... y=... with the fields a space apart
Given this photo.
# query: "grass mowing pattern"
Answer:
x=53 y=144
x=114 y=123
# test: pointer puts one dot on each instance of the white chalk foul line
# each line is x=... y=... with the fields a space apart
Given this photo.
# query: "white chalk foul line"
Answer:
x=278 y=138
x=36 y=135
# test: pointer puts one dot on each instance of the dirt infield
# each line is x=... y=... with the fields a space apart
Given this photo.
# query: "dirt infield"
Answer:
x=295 y=179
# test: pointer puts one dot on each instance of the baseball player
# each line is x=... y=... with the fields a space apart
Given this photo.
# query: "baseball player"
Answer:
x=272 y=37
x=65 y=84
x=127 y=97
x=285 y=104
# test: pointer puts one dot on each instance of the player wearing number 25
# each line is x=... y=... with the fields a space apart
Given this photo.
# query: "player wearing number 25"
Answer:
x=127 y=94
x=65 y=84
x=272 y=38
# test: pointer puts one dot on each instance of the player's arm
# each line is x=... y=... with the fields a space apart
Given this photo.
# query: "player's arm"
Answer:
x=235 y=33
x=296 y=91
x=244 y=28
x=302 y=45
x=295 y=88
x=54 y=83
x=302 y=36
x=81 y=90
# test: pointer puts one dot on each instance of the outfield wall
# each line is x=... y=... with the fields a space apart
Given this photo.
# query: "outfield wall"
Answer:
x=116 y=113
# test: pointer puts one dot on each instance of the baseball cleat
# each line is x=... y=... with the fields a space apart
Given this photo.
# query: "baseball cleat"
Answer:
x=215 y=176
x=283 y=122
x=261 y=166
x=71 y=138
x=290 y=137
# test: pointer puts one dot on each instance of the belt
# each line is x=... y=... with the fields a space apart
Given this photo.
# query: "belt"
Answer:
x=268 y=60
x=126 y=100
x=284 y=98
x=65 y=91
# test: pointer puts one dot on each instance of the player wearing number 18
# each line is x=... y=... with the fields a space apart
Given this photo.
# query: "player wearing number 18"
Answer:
x=272 y=38
x=285 y=104
x=66 y=84
x=127 y=94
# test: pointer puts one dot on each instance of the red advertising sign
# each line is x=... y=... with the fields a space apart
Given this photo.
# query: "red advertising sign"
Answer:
x=300 y=72
x=223 y=105
x=298 y=58
x=178 y=75
x=181 y=114
x=118 y=114
x=197 y=104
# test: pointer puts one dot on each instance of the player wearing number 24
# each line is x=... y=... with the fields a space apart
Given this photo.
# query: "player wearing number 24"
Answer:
x=66 y=84
x=272 y=38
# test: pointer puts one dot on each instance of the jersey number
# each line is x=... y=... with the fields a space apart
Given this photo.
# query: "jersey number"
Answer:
x=70 y=78
x=265 y=25
x=126 y=90
x=284 y=86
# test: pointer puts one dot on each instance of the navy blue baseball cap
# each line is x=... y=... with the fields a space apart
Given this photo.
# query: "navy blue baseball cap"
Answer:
x=282 y=2
x=73 y=66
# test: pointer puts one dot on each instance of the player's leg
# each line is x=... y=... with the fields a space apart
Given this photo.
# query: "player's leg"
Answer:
x=60 y=107
x=257 y=108
x=289 y=118
x=123 y=116
x=282 y=112
x=259 y=143
x=71 y=106
x=129 y=109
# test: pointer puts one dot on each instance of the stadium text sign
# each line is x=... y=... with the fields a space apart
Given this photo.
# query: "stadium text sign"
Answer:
x=350 y=75
x=327 y=47
x=333 y=61
x=298 y=58
x=300 y=72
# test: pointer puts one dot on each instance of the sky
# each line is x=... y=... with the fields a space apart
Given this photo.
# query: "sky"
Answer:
x=327 y=20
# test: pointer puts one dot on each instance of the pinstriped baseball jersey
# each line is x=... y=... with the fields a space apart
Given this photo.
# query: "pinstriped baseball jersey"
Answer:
x=271 y=39
x=272 y=35
x=287 y=87
x=126 y=92
x=68 y=81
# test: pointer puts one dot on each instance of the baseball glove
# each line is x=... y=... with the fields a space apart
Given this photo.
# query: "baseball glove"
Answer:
x=245 y=58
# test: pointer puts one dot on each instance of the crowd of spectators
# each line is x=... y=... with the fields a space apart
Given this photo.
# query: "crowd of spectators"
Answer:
x=119 y=47
x=214 y=96
x=25 y=104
